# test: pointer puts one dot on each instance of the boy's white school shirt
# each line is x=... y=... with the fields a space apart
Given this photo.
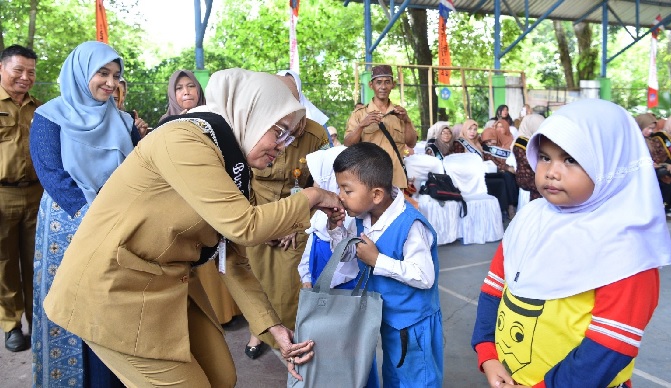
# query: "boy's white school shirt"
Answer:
x=416 y=269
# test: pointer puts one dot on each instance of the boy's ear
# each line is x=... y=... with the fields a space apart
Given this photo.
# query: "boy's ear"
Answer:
x=378 y=195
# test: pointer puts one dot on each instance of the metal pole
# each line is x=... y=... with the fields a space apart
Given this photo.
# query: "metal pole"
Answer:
x=430 y=71
x=604 y=38
x=401 y=80
x=497 y=34
x=467 y=106
x=200 y=54
x=367 y=32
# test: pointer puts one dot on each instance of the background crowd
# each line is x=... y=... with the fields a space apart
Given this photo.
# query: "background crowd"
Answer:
x=211 y=206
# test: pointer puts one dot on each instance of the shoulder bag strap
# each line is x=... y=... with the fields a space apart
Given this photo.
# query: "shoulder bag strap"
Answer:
x=386 y=133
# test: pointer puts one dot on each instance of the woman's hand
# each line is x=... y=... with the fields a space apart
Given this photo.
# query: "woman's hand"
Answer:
x=288 y=241
x=295 y=354
x=141 y=125
x=323 y=200
x=496 y=373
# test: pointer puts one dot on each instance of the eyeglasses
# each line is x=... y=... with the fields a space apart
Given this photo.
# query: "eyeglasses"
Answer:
x=283 y=136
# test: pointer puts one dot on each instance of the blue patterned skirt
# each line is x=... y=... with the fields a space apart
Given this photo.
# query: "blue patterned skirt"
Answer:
x=57 y=353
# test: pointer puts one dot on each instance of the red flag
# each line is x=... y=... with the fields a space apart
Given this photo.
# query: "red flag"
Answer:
x=101 y=22
x=653 y=85
x=444 y=59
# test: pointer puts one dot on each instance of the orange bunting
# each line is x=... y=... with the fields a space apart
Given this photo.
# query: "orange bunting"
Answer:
x=444 y=58
x=101 y=22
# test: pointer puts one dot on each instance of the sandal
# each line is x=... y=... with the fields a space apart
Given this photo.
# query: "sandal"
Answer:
x=254 y=352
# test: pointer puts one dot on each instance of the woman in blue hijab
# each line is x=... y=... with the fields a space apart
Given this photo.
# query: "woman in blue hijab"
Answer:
x=76 y=141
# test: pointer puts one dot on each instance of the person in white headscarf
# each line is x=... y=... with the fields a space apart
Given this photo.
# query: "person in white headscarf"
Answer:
x=580 y=264
x=181 y=198
x=440 y=140
x=311 y=111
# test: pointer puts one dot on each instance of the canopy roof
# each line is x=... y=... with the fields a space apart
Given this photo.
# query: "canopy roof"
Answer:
x=641 y=14
x=571 y=10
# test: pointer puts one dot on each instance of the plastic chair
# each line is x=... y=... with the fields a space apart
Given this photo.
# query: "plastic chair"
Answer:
x=483 y=222
x=442 y=215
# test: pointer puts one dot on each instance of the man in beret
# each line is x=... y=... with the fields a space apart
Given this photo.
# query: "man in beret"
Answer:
x=367 y=123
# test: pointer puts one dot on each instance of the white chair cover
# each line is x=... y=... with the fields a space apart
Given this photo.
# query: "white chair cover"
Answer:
x=466 y=170
x=483 y=222
x=443 y=216
x=419 y=166
x=420 y=148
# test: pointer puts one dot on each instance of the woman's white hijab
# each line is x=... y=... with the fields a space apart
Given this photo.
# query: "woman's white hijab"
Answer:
x=250 y=102
x=435 y=130
x=554 y=252
x=530 y=124
x=312 y=112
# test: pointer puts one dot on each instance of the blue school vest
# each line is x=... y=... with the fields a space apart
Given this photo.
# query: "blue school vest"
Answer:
x=403 y=305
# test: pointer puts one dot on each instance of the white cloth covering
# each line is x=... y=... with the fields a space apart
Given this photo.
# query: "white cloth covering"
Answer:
x=419 y=167
x=555 y=252
x=465 y=170
x=443 y=216
x=483 y=222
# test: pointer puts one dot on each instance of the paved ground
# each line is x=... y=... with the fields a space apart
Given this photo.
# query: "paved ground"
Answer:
x=463 y=267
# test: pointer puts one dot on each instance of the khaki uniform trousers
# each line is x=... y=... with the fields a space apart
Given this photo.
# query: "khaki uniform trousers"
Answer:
x=211 y=363
x=18 y=218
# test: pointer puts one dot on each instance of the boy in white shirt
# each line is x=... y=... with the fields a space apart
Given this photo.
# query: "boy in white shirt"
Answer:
x=400 y=245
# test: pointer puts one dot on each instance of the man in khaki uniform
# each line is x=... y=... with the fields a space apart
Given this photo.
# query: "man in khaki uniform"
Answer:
x=20 y=193
x=275 y=263
x=364 y=123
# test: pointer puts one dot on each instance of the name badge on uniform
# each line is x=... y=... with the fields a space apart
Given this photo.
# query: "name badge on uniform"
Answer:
x=222 y=255
x=297 y=173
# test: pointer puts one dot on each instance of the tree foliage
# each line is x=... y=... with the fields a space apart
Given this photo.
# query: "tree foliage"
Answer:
x=253 y=34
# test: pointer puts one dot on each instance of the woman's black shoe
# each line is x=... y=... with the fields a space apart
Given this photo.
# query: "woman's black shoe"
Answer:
x=254 y=352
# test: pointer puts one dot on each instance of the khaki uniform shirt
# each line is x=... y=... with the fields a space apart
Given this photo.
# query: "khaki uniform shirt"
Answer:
x=373 y=134
x=15 y=162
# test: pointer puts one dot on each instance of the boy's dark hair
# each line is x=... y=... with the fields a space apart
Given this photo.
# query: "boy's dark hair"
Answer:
x=369 y=163
x=16 y=49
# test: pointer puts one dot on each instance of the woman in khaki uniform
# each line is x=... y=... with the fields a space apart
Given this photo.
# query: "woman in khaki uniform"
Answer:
x=126 y=284
x=184 y=93
x=275 y=263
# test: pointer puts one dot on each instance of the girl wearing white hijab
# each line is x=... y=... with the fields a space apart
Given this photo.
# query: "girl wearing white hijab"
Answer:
x=575 y=280
x=126 y=284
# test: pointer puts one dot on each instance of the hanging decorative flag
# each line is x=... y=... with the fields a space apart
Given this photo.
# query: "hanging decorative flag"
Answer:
x=653 y=85
x=444 y=59
x=101 y=22
x=293 y=43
